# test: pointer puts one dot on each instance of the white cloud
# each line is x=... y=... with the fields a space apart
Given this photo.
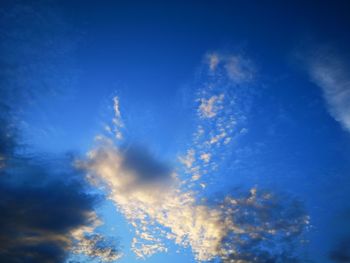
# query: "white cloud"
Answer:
x=205 y=157
x=94 y=245
x=213 y=61
x=332 y=75
x=209 y=108
x=188 y=159
x=117 y=120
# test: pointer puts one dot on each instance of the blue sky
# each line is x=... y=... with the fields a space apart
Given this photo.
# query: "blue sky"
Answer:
x=182 y=131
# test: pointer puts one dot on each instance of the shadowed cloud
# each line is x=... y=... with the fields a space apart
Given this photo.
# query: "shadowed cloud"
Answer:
x=47 y=212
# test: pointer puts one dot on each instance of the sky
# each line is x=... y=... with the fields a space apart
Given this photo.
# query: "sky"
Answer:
x=174 y=131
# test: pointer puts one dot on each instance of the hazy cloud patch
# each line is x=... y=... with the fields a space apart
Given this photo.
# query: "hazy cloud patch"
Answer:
x=331 y=73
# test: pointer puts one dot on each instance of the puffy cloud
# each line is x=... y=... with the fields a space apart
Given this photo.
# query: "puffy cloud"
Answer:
x=209 y=107
x=331 y=74
x=188 y=159
x=221 y=109
x=205 y=157
x=96 y=246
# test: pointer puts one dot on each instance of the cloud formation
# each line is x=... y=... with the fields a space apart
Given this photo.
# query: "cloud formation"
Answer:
x=238 y=68
x=162 y=204
x=46 y=211
x=331 y=74
x=209 y=107
x=341 y=252
x=222 y=101
x=45 y=216
x=236 y=228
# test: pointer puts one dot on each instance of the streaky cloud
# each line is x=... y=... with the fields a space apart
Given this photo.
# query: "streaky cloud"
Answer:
x=331 y=73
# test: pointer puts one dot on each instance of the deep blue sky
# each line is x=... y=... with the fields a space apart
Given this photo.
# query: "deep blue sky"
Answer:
x=271 y=77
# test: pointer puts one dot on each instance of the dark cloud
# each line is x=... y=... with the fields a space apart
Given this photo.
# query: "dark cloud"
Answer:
x=36 y=219
x=143 y=164
x=42 y=203
x=341 y=253
x=273 y=228
x=42 y=200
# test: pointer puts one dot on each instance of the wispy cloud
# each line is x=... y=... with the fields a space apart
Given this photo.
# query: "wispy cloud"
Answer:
x=238 y=68
x=117 y=125
x=332 y=74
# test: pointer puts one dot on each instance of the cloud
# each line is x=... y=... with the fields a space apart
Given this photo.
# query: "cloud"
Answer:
x=213 y=61
x=46 y=210
x=117 y=120
x=205 y=157
x=161 y=205
x=235 y=228
x=222 y=99
x=238 y=68
x=38 y=65
x=331 y=74
x=141 y=163
x=39 y=215
x=96 y=246
x=341 y=253
x=115 y=128
x=45 y=215
x=188 y=159
x=209 y=107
